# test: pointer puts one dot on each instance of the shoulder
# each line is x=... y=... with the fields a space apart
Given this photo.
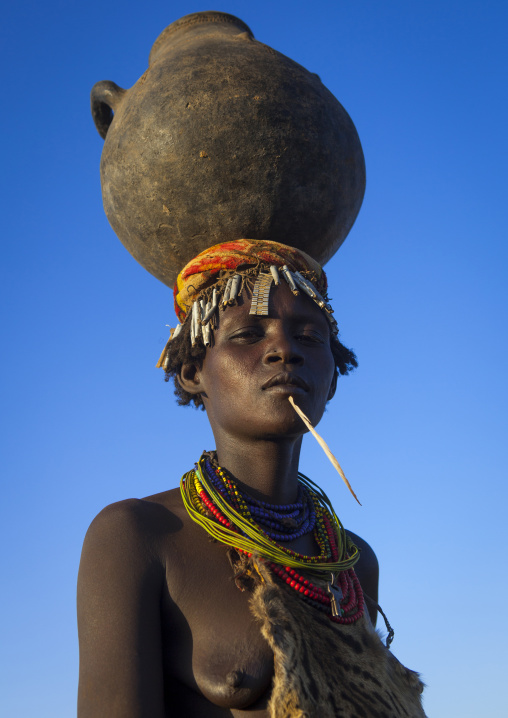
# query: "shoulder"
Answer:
x=132 y=530
x=122 y=565
x=367 y=555
x=367 y=570
x=135 y=519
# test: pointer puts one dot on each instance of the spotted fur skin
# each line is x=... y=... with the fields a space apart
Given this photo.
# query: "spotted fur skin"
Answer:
x=328 y=670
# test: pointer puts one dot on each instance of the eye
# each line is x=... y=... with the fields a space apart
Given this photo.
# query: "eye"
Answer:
x=247 y=335
x=311 y=337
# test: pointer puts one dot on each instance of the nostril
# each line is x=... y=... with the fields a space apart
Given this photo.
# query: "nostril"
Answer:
x=282 y=357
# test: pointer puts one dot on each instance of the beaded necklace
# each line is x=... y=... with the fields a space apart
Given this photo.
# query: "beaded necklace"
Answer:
x=257 y=528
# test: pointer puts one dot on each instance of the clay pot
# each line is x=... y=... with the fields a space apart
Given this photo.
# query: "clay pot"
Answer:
x=223 y=138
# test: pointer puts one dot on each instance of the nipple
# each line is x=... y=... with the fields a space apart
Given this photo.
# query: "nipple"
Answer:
x=234 y=678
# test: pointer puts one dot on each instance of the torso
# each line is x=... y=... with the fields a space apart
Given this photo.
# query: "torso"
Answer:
x=216 y=662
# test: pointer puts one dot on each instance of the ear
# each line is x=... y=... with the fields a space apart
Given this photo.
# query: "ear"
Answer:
x=189 y=378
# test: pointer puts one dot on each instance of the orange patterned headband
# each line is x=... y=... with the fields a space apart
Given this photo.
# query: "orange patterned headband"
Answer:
x=243 y=254
x=217 y=276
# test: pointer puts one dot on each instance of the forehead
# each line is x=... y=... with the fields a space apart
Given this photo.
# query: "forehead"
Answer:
x=283 y=305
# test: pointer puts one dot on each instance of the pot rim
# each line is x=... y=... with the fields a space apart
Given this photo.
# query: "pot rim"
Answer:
x=198 y=18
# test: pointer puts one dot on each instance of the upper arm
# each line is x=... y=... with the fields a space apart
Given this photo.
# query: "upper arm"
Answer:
x=367 y=570
x=119 y=589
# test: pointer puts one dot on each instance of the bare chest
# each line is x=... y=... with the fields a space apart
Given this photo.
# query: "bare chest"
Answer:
x=211 y=643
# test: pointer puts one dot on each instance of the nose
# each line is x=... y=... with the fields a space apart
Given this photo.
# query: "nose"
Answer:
x=284 y=349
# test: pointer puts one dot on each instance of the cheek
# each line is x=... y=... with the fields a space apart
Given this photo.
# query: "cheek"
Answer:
x=236 y=369
x=327 y=370
x=323 y=395
x=226 y=378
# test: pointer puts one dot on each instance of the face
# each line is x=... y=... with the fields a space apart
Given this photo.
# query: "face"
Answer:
x=257 y=362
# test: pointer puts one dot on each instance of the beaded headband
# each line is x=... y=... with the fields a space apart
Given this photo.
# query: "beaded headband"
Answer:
x=217 y=277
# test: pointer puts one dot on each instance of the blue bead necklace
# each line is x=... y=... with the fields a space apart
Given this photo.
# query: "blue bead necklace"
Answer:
x=280 y=522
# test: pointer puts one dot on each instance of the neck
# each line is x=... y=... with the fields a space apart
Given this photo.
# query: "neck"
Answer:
x=267 y=470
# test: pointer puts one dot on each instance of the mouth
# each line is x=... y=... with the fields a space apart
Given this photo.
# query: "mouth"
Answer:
x=285 y=381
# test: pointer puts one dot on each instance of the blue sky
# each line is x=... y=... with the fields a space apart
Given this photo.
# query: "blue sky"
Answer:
x=419 y=288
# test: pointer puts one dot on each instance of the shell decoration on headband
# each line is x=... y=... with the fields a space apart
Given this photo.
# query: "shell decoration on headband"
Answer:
x=216 y=278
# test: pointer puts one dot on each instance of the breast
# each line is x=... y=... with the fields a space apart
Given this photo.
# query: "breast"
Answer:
x=227 y=659
x=236 y=680
x=211 y=641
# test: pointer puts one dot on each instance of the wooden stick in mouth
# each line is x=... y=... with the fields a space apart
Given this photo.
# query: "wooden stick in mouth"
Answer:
x=322 y=444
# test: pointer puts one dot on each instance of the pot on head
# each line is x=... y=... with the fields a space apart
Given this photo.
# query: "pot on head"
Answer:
x=222 y=138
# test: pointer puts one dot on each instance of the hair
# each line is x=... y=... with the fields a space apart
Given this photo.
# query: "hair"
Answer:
x=180 y=351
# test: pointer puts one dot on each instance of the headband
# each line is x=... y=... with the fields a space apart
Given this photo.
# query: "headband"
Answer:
x=215 y=279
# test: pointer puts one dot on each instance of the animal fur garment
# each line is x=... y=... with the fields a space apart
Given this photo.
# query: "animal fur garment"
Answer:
x=329 y=670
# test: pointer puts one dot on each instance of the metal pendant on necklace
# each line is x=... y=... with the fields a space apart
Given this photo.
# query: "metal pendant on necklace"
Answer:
x=336 y=596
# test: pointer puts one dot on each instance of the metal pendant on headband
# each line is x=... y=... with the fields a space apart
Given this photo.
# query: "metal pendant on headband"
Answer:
x=261 y=294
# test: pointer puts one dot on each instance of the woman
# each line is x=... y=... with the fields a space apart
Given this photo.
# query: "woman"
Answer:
x=186 y=603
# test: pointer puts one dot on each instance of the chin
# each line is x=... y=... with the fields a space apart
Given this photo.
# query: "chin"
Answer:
x=280 y=406
x=283 y=435
x=283 y=423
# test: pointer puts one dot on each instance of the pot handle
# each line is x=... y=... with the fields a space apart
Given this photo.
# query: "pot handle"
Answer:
x=105 y=97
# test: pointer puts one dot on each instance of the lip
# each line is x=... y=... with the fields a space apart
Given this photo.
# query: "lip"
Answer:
x=286 y=381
